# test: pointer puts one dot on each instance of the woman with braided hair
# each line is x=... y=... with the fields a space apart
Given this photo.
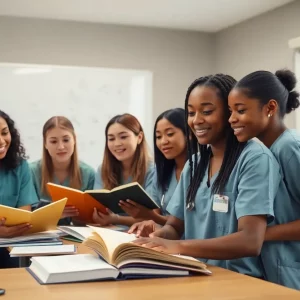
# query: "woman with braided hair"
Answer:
x=225 y=195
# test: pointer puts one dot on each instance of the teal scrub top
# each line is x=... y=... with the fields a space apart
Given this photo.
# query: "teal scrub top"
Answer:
x=16 y=187
x=251 y=189
x=87 y=177
x=162 y=198
x=281 y=260
x=146 y=185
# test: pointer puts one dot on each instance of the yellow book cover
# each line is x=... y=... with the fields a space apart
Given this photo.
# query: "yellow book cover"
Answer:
x=42 y=219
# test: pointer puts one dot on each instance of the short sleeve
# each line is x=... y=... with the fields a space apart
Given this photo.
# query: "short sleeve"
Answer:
x=176 y=206
x=149 y=177
x=27 y=193
x=259 y=180
x=91 y=180
x=98 y=184
x=35 y=170
x=154 y=191
x=88 y=177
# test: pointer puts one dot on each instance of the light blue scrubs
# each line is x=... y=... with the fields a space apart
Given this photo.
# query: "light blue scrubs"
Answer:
x=251 y=189
x=87 y=177
x=146 y=185
x=160 y=197
x=281 y=260
x=16 y=187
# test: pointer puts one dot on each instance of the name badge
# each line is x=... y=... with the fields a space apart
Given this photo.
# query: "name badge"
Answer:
x=220 y=203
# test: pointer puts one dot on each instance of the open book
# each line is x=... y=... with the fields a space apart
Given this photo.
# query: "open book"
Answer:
x=42 y=219
x=116 y=249
x=85 y=201
x=81 y=200
x=121 y=259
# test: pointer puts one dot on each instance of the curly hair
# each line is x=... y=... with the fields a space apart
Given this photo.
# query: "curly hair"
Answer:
x=16 y=151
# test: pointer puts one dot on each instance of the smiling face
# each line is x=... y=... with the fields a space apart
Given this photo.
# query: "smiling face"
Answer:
x=122 y=142
x=206 y=115
x=60 y=144
x=170 y=140
x=5 y=138
x=249 y=118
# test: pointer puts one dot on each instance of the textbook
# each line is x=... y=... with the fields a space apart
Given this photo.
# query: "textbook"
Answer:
x=86 y=201
x=50 y=237
x=42 y=250
x=81 y=200
x=118 y=259
x=42 y=219
x=117 y=249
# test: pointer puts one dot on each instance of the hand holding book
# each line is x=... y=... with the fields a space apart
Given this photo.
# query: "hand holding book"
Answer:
x=104 y=219
x=12 y=231
x=136 y=210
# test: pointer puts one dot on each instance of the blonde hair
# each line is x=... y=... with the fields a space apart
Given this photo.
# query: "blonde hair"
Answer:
x=111 y=171
x=47 y=164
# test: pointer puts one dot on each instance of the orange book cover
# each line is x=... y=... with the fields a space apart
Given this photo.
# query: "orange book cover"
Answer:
x=81 y=200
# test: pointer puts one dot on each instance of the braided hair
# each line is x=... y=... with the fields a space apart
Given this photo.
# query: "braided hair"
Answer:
x=198 y=166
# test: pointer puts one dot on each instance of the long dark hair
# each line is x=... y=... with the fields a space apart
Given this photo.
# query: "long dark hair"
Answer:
x=16 y=151
x=223 y=84
x=264 y=86
x=164 y=166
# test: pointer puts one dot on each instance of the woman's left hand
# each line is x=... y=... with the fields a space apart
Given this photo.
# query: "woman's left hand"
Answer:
x=159 y=244
x=136 y=210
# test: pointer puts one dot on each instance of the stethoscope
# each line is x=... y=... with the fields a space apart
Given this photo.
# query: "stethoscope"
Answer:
x=189 y=207
x=162 y=201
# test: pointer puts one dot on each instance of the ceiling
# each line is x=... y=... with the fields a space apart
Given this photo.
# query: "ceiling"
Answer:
x=200 y=15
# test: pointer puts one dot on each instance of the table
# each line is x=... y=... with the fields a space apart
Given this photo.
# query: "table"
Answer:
x=222 y=285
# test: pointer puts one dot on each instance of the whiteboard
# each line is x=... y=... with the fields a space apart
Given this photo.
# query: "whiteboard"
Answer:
x=89 y=97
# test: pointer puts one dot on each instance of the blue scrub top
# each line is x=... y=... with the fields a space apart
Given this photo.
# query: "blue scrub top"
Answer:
x=160 y=197
x=87 y=177
x=281 y=260
x=146 y=185
x=251 y=189
x=16 y=187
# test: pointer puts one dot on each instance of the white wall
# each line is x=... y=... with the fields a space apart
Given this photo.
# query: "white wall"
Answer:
x=260 y=43
x=175 y=57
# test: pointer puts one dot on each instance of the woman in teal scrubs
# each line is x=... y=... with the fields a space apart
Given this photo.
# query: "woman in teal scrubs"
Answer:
x=170 y=149
x=225 y=195
x=16 y=187
x=60 y=164
x=259 y=103
x=126 y=159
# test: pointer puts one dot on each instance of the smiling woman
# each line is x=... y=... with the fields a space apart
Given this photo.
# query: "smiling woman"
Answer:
x=60 y=163
x=125 y=160
x=16 y=188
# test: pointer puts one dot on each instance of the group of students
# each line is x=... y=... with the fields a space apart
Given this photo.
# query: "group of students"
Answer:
x=224 y=197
